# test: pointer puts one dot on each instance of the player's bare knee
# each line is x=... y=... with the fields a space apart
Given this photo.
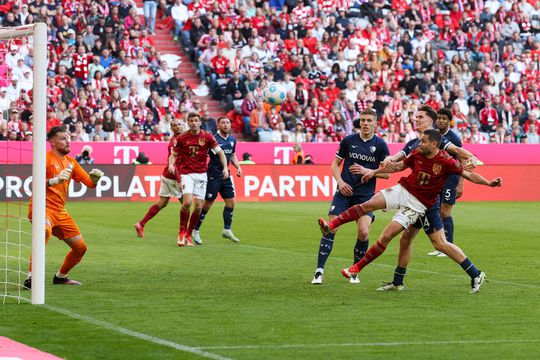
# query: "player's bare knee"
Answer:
x=385 y=237
x=363 y=233
x=186 y=205
x=446 y=210
x=81 y=248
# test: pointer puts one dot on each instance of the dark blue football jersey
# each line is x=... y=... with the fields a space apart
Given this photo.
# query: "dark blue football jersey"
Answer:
x=454 y=139
x=369 y=154
x=414 y=143
x=228 y=145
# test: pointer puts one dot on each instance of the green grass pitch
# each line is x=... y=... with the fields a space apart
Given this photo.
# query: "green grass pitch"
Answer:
x=148 y=299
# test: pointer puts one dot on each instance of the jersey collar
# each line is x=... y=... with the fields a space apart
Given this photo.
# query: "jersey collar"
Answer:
x=221 y=136
x=447 y=131
x=365 y=140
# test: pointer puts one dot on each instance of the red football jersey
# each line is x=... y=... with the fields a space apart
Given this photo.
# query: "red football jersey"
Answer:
x=193 y=151
x=428 y=175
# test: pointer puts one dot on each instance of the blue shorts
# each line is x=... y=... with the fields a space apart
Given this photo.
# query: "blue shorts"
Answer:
x=431 y=221
x=448 y=192
x=218 y=185
x=340 y=203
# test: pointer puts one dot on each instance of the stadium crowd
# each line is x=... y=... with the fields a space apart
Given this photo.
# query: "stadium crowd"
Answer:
x=107 y=82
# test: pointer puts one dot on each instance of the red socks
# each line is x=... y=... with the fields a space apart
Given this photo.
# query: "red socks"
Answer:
x=184 y=218
x=351 y=214
x=373 y=252
x=154 y=209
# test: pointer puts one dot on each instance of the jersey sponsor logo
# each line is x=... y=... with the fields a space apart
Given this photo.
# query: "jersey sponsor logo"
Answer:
x=437 y=168
x=227 y=151
x=362 y=157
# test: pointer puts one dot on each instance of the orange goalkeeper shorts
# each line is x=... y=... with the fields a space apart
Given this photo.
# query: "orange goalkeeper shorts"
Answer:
x=62 y=224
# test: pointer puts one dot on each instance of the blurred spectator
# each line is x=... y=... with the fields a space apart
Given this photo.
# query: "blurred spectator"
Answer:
x=208 y=123
x=246 y=159
x=532 y=134
x=281 y=134
x=85 y=157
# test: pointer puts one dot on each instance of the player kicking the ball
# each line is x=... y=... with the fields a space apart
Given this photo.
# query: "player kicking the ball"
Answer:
x=60 y=170
x=170 y=183
x=363 y=151
x=217 y=184
x=192 y=149
x=412 y=196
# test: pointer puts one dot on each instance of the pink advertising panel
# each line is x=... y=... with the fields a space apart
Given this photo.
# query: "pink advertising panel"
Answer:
x=263 y=153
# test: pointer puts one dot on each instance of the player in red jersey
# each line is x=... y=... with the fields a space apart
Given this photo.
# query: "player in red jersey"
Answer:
x=170 y=183
x=412 y=197
x=192 y=149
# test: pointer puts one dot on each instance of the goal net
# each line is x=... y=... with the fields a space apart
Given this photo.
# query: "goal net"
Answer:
x=23 y=77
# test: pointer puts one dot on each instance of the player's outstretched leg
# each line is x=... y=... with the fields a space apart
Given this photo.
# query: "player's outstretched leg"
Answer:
x=377 y=202
x=154 y=209
x=376 y=250
x=455 y=253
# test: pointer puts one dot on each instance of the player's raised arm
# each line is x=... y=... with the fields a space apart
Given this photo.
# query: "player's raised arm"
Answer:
x=480 y=180
x=385 y=169
x=467 y=159
x=89 y=179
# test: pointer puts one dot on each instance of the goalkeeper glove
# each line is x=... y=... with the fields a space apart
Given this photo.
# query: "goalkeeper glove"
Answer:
x=95 y=175
x=63 y=176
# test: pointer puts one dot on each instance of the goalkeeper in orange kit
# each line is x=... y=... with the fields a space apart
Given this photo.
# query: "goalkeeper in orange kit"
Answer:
x=60 y=170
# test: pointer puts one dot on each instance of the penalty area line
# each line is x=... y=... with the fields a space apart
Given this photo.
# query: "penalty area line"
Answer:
x=372 y=344
x=136 y=334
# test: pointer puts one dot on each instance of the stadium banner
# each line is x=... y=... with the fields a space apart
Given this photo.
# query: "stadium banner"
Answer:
x=20 y=152
x=263 y=183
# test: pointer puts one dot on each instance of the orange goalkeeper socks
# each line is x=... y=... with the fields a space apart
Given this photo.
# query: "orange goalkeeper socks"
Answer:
x=74 y=256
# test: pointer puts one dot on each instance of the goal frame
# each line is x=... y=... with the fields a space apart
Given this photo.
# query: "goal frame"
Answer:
x=39 y=147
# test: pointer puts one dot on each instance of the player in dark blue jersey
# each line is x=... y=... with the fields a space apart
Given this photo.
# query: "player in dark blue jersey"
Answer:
x=358 y=153
x=217 y=185
x=432 y=224
x=453 y=188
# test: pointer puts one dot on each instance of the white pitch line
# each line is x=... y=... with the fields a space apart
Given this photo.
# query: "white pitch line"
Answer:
x=372 y=344
x=531 y=286
x=136 y=334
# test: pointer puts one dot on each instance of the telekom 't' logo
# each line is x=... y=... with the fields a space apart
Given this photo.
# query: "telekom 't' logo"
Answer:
x=282 y=155
x=122 y=154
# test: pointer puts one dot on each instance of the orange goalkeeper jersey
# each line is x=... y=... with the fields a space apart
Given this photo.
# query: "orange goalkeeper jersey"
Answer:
x=56 y=195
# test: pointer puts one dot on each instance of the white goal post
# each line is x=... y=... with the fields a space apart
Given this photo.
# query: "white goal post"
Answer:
x=39 y=33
